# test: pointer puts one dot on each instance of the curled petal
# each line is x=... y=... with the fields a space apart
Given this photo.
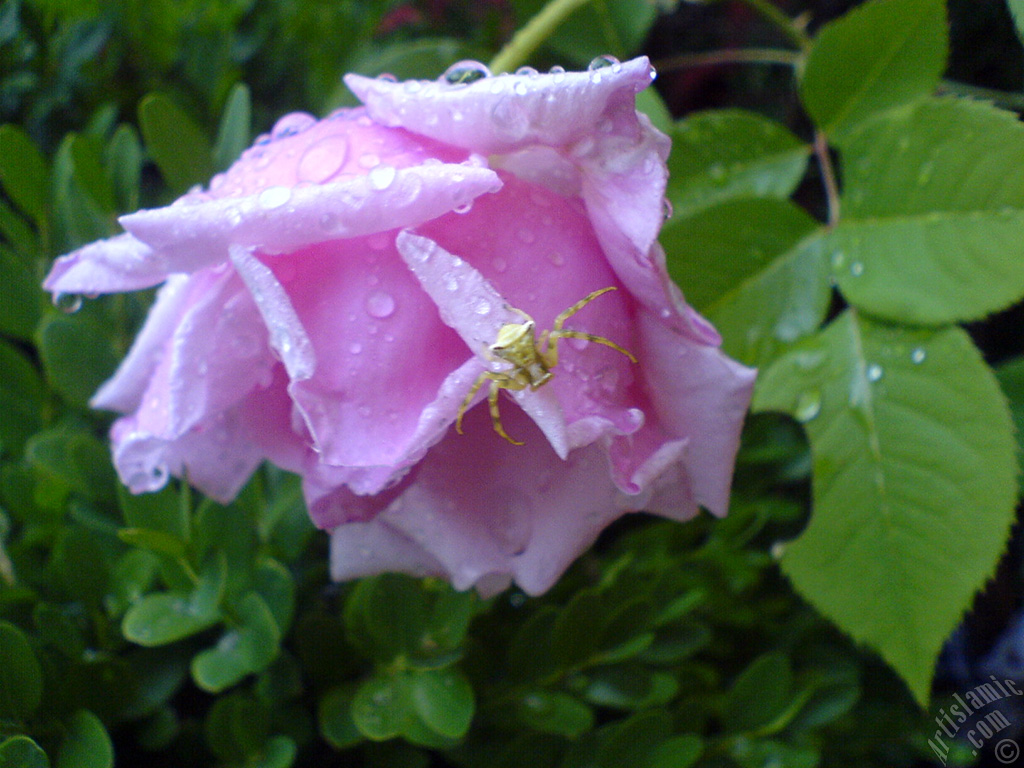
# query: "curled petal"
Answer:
x=506 y=113
x=280 y=219
x=120 y=263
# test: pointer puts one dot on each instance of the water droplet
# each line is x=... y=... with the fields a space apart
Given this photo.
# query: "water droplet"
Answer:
x=364 y=411
x=925 y=174
x=520 y=89
x=857 y=269
x=526 y=235
x=873 y=372
x=500 y=265
x=917 y=355
x=368 y=160
x=464 y=208
x=451 y=282
x=274 y=197
x=602 y=62
x=323 y=159
x=382 y=177
x=380 y=304
x=67 y=302
x=355 y=347
x=465 y=72
x=556 y=258
x=666 y=209
x=481 y=306
x=291 y=124
x=412 y=86
x=808 y=405
x=328 y=222
x=838 y=260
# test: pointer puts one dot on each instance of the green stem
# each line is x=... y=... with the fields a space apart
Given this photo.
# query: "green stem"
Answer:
x=771 y=12
x=828 y=176
x=528 y=39
x=729 y=56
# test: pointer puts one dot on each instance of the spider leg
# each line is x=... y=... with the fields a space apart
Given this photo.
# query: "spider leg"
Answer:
x=560 y=320
x=469 y=398
x=492 y=400
x=570 y=334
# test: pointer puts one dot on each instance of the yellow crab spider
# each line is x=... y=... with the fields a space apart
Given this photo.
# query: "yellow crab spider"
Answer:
x=532 y=359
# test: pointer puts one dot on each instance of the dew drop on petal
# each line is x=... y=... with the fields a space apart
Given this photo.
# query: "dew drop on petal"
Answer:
x=382 y=177
x=328 y=222
x=274 y=197
x=482 y=306
x=368 y=160
x=556 y=258
x=291 y=124
x=808 y=406
x=67 y=302
x=323 y=159
x=464 y=208
x=500 y=265
x=380 y=304
x=602 y=62
x=465 y=72
x=355 y=347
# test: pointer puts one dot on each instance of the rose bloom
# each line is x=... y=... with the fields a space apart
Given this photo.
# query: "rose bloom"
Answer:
x=330 y=301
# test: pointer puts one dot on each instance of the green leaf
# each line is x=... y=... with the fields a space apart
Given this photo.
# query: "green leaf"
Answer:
x=17 y=231
x=880 y=55
x=24 y=173
x=932 y=224
x=912 y=452
x=678 y=752
x=381 y=707
x=757 y=269
x=555 y=712
x=1011 y=379
x=77 y=355
x=443 y=700
x=123 y=158
x=760 y=694
x=233 y=135
x=630 y=687
x=649 y=102
x=632 y=741
x=90 y=175
x=86 y=743
x=19 y=296
x=22 y=752
x=21 y=391
x=159 y=511
x=170 y=616
x=21 y=677
x=728 y=153
x=154 y=541
x=175 y=142
x=247 y=647
x=74 y=457
x=334 y=715
x=1017 y=10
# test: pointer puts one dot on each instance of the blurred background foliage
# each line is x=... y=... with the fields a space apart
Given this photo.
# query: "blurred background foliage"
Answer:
x=167 y=630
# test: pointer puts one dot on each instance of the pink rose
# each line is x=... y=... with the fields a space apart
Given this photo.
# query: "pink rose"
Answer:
x=329 y=302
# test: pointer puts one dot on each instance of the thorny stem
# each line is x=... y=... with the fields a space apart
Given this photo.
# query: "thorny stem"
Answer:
x=729 y=56
x=828 y=176
x=790 y=28
x=528 y=39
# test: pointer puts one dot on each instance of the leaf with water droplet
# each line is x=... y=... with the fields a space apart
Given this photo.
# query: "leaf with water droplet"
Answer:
x=904 y=472
x=949 y=249
x=725 y=154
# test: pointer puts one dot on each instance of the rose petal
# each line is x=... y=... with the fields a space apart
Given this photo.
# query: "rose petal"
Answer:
x=505 y=113
x=279 y=219
x=120 y=263
x=700 y=395
x=470 y=305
